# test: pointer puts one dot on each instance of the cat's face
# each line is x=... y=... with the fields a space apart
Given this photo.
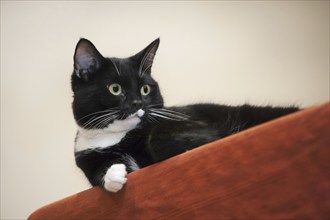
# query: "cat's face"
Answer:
x=108 y=90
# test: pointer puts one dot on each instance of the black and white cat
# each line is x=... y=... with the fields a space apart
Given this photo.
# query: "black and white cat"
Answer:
x=122 y=122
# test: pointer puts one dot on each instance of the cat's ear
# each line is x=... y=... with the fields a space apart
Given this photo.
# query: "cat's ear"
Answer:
x=147 y=56
x=87 y=59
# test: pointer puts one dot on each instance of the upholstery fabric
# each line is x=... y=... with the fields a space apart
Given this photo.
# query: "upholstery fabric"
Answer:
x=277 y=170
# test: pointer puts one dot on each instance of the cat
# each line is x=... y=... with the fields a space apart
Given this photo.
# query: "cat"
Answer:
x=123 y=125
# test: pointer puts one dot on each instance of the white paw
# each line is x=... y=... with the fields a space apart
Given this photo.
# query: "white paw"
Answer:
x=115 y=178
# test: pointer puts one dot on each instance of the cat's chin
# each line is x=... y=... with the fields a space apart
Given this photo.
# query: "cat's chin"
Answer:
x=126 y=124
x=138 y=114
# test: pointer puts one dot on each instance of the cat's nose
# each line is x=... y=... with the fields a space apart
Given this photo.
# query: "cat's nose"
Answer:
x=137 y=104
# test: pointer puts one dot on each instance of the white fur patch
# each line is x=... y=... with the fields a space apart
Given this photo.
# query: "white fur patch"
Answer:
x=115 y=178
x=109 y=136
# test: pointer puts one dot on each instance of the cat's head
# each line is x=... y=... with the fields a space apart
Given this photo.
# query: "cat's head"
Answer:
x=112 y=90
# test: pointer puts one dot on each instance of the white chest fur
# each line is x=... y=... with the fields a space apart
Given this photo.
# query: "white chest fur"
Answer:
x=106 y=137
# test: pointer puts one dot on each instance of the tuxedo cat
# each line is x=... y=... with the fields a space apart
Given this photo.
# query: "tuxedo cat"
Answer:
x=123 y=125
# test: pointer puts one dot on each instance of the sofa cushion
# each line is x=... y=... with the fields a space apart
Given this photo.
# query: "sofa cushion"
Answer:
x=278 y=170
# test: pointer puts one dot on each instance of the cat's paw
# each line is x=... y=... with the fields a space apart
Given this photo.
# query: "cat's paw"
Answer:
x=115 y=178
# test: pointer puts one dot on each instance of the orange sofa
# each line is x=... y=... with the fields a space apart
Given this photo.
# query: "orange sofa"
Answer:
x=277 y=170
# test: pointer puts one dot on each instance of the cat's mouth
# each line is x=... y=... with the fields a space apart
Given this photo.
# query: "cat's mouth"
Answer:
x=138 y=114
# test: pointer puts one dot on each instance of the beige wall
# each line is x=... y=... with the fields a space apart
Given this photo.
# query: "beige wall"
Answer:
x=259 y=52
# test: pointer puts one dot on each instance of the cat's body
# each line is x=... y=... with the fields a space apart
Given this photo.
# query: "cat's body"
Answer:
x=123 y=125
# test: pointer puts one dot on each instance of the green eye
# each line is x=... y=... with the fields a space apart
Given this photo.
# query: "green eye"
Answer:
x=115 y=89
x=145 y=90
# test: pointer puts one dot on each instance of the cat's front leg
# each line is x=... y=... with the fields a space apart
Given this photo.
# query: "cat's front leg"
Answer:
x=115 y=177
x=107 y=168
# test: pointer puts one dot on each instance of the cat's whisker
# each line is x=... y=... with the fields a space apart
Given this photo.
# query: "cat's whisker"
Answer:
x=172 y=112
x=152 y=119
x=98 y=123
x=101 y=123
x=94 y=120
x=98 y=112
x=168 y=117
x=89 y=121
x=168 y=114
x=161 y=116
x=105 y=121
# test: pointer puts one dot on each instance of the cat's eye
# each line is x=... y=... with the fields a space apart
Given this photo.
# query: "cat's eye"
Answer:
x=145 y=90
x=115 y=89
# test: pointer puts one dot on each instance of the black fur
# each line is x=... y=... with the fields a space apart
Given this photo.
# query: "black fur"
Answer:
x=162 y=132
